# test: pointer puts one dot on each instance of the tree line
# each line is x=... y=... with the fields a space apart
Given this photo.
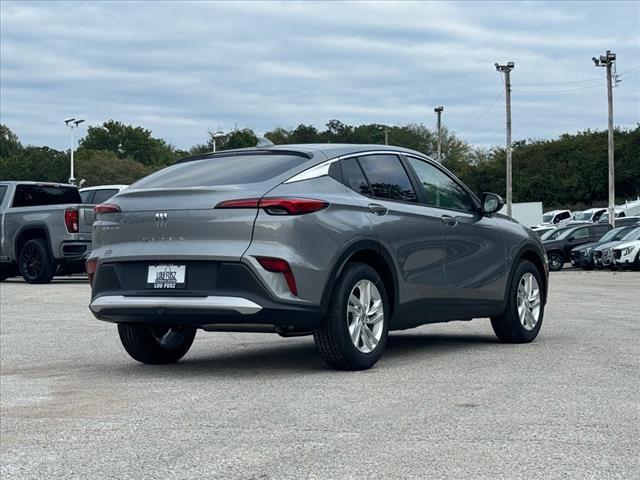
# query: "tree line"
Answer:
x=565 y=172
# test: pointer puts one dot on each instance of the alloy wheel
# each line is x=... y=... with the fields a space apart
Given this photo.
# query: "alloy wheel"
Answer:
x=528 y=301
x=365 y=316
x=32 y=262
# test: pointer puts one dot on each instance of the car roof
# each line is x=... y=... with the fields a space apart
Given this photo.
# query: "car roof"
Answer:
x=28 y=182
x=595 y=209
x=310 y=150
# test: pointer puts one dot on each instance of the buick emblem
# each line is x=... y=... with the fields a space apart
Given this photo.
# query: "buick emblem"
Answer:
x=161 y=220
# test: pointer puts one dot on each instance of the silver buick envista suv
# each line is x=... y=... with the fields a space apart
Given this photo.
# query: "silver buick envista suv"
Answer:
x=345 y=242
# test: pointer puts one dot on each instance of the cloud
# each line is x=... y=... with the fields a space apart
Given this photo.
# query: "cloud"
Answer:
x=181 y=68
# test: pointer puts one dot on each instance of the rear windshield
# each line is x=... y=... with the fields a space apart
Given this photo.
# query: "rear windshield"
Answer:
x=232 y=170
x=40 y=195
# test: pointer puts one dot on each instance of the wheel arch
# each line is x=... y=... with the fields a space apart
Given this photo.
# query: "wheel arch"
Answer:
x=29 y=233
x=369 y=252
x=531 y=253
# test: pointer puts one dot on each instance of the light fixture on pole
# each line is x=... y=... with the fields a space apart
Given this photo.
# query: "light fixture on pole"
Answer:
x=72 y=123
x=215 y=135
x=608 y=60
x=438 y=111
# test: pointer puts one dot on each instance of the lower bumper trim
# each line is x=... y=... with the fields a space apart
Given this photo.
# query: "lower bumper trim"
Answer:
x=238 y=304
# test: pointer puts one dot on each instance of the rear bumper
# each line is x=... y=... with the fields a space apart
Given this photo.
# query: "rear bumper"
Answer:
x=74 y=250
x=218 y=296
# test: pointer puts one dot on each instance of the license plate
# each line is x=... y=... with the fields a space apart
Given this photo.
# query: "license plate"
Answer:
x=166 y=276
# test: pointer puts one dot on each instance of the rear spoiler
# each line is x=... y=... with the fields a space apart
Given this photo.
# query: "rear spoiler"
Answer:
x=240 y=153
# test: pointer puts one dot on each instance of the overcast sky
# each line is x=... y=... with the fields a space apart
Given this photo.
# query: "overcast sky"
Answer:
x=182 y=68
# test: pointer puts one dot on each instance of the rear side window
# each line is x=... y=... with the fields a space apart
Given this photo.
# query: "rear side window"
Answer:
x=563 y=216
x=353 y=177
x=232 y=170
x=600 y=229
x=388 y=178
x=581 y=233
x=102 y=196
x=87 y=196
x=40 y=195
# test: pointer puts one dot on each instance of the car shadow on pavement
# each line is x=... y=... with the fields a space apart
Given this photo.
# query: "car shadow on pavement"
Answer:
x=294 y=356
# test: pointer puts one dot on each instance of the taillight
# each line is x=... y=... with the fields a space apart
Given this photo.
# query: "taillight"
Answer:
x=278 y=265
x=71 y=218
x=278 y=205
x=90 y=266
x=106 y=208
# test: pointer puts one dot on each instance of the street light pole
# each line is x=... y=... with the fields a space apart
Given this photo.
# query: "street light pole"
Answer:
x=609 y=60
x=72 y=123
x=215 y=135
x=438 y=111
x=506 y=69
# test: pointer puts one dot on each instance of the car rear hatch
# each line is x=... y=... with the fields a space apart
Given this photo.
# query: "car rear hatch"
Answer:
x=172 y=214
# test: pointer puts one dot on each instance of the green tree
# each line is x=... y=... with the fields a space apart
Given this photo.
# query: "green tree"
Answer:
x=102 y=167
x=127 y=141
x=40 y=164
x=239 y=139
x=9 y=143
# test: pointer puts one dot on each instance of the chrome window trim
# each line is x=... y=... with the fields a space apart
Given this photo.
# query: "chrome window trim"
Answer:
x=322 y=169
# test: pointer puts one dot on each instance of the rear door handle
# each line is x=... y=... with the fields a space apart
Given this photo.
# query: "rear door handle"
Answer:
x=377 y=209
x=449 y=220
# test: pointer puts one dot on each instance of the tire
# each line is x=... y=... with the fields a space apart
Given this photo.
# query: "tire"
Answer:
x=556 y=261
x=334 y=339
x=155 y=344
x=508 y=327
x=35 y=262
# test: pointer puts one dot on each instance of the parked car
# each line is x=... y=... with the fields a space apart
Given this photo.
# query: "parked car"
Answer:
x=44 y=230
x=621 y=221
x=627 y=254
x=590 y=215
x=542 y=230
x=582 y=257
x=554 y=217
x=345 y=242
x=100 y=193
x=559 y=247
x=603 y=254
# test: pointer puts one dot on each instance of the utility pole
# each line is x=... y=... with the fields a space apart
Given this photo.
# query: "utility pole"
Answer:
x=438 y=111
x=72 y=123
x=506 y=69
x=386 y=136
x=609 y=60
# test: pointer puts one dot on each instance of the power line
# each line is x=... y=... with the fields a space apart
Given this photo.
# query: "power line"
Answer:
x=535 y=92
x=590 y=80
x=482 y=114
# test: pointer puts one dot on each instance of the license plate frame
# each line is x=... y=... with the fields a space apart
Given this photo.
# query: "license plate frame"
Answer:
x=166 y=276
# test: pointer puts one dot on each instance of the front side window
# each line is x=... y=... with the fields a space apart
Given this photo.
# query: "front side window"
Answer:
x=388 y=178
x=439 y=189
x=3 y=190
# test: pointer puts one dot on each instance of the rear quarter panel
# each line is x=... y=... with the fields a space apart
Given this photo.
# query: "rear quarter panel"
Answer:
x=311 y=243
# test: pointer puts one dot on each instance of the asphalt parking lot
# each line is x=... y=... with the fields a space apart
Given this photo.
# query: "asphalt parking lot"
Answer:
x=445 y=401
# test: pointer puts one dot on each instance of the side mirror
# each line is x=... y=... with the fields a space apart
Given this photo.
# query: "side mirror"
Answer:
x=491 y=202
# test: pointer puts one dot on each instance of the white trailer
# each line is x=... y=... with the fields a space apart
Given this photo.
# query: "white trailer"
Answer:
x=527 y=213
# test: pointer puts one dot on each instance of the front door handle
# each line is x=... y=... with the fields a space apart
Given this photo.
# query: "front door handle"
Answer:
x=377 y=209
x=449 y=220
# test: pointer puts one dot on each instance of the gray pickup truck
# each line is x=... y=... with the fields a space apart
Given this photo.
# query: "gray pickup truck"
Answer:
x=44 y=230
